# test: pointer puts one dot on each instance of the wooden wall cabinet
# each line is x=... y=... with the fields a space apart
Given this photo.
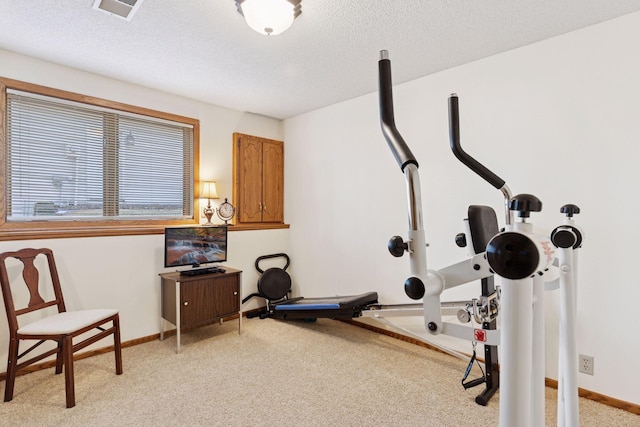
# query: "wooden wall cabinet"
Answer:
x=192 y=301
x=258 y=174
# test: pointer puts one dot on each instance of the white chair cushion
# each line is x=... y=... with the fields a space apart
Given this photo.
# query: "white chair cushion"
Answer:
x=67 y=322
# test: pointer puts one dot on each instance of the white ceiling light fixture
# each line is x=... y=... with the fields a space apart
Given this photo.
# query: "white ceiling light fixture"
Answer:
x=269 y=17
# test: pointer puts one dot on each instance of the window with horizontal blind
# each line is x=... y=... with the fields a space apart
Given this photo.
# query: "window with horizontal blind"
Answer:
x=73 y=158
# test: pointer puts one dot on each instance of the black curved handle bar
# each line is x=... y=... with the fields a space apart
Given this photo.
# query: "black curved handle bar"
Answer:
x=283 y=255
x=398 y=146
x=466 y=159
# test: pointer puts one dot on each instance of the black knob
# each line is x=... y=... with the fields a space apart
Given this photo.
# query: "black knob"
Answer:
x=397 y=246
x=570 y=210
x=524 y=204
x=461 y=240
x=414 y=288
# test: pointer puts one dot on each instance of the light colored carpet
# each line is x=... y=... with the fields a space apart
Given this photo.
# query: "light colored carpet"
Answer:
x=326 y=373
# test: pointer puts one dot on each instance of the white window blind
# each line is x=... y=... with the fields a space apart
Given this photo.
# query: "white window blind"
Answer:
x=70 y=161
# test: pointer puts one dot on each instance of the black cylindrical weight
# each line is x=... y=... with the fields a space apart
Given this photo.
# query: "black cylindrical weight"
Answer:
x=414 y=288
x=564 y=239
x=566 y=236
x=513 y=255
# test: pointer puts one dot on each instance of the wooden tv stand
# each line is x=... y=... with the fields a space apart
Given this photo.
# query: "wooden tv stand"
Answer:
x=192 y=301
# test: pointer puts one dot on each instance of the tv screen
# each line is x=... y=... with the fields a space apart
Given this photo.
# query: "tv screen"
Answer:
x=194 y=245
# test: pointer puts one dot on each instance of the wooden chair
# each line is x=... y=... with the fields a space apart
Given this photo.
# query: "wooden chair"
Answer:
x=61 y=327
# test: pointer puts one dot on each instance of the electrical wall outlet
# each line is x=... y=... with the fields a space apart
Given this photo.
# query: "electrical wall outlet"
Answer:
x=585 y=364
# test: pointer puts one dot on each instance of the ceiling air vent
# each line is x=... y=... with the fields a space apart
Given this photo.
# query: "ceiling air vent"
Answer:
x=124 y=9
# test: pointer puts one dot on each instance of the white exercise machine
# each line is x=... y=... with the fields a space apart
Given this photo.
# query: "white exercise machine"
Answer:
x=522 y=259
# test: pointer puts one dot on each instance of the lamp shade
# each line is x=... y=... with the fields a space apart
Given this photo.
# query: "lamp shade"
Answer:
x=208 y=190
x=269 y=17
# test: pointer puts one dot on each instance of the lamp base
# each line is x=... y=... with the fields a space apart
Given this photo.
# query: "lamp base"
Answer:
x=208 y=213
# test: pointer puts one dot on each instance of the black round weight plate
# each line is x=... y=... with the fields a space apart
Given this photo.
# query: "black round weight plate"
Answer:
x=274 y=283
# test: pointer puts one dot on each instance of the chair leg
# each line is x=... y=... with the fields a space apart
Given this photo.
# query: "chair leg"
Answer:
x=12 y=365
x=117 y=345
x=59 y=358
x=67 y=351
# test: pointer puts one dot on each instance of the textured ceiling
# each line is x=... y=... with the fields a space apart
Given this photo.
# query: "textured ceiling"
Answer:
x=202 y=49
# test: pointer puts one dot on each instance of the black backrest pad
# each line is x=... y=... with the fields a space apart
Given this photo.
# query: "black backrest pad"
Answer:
x=483 y=224
x=274 y=284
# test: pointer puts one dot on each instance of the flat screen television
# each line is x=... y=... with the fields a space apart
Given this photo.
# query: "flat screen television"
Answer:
x=194 y=246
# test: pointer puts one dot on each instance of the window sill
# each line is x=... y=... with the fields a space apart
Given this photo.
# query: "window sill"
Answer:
x=98 y=230
x=62 y=234
x=39 y=231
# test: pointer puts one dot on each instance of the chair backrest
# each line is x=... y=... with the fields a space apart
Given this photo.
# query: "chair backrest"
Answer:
x=31 y=278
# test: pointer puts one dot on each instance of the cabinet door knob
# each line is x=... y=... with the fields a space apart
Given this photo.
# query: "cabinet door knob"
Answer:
x=235 y=293
x=185 y=303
